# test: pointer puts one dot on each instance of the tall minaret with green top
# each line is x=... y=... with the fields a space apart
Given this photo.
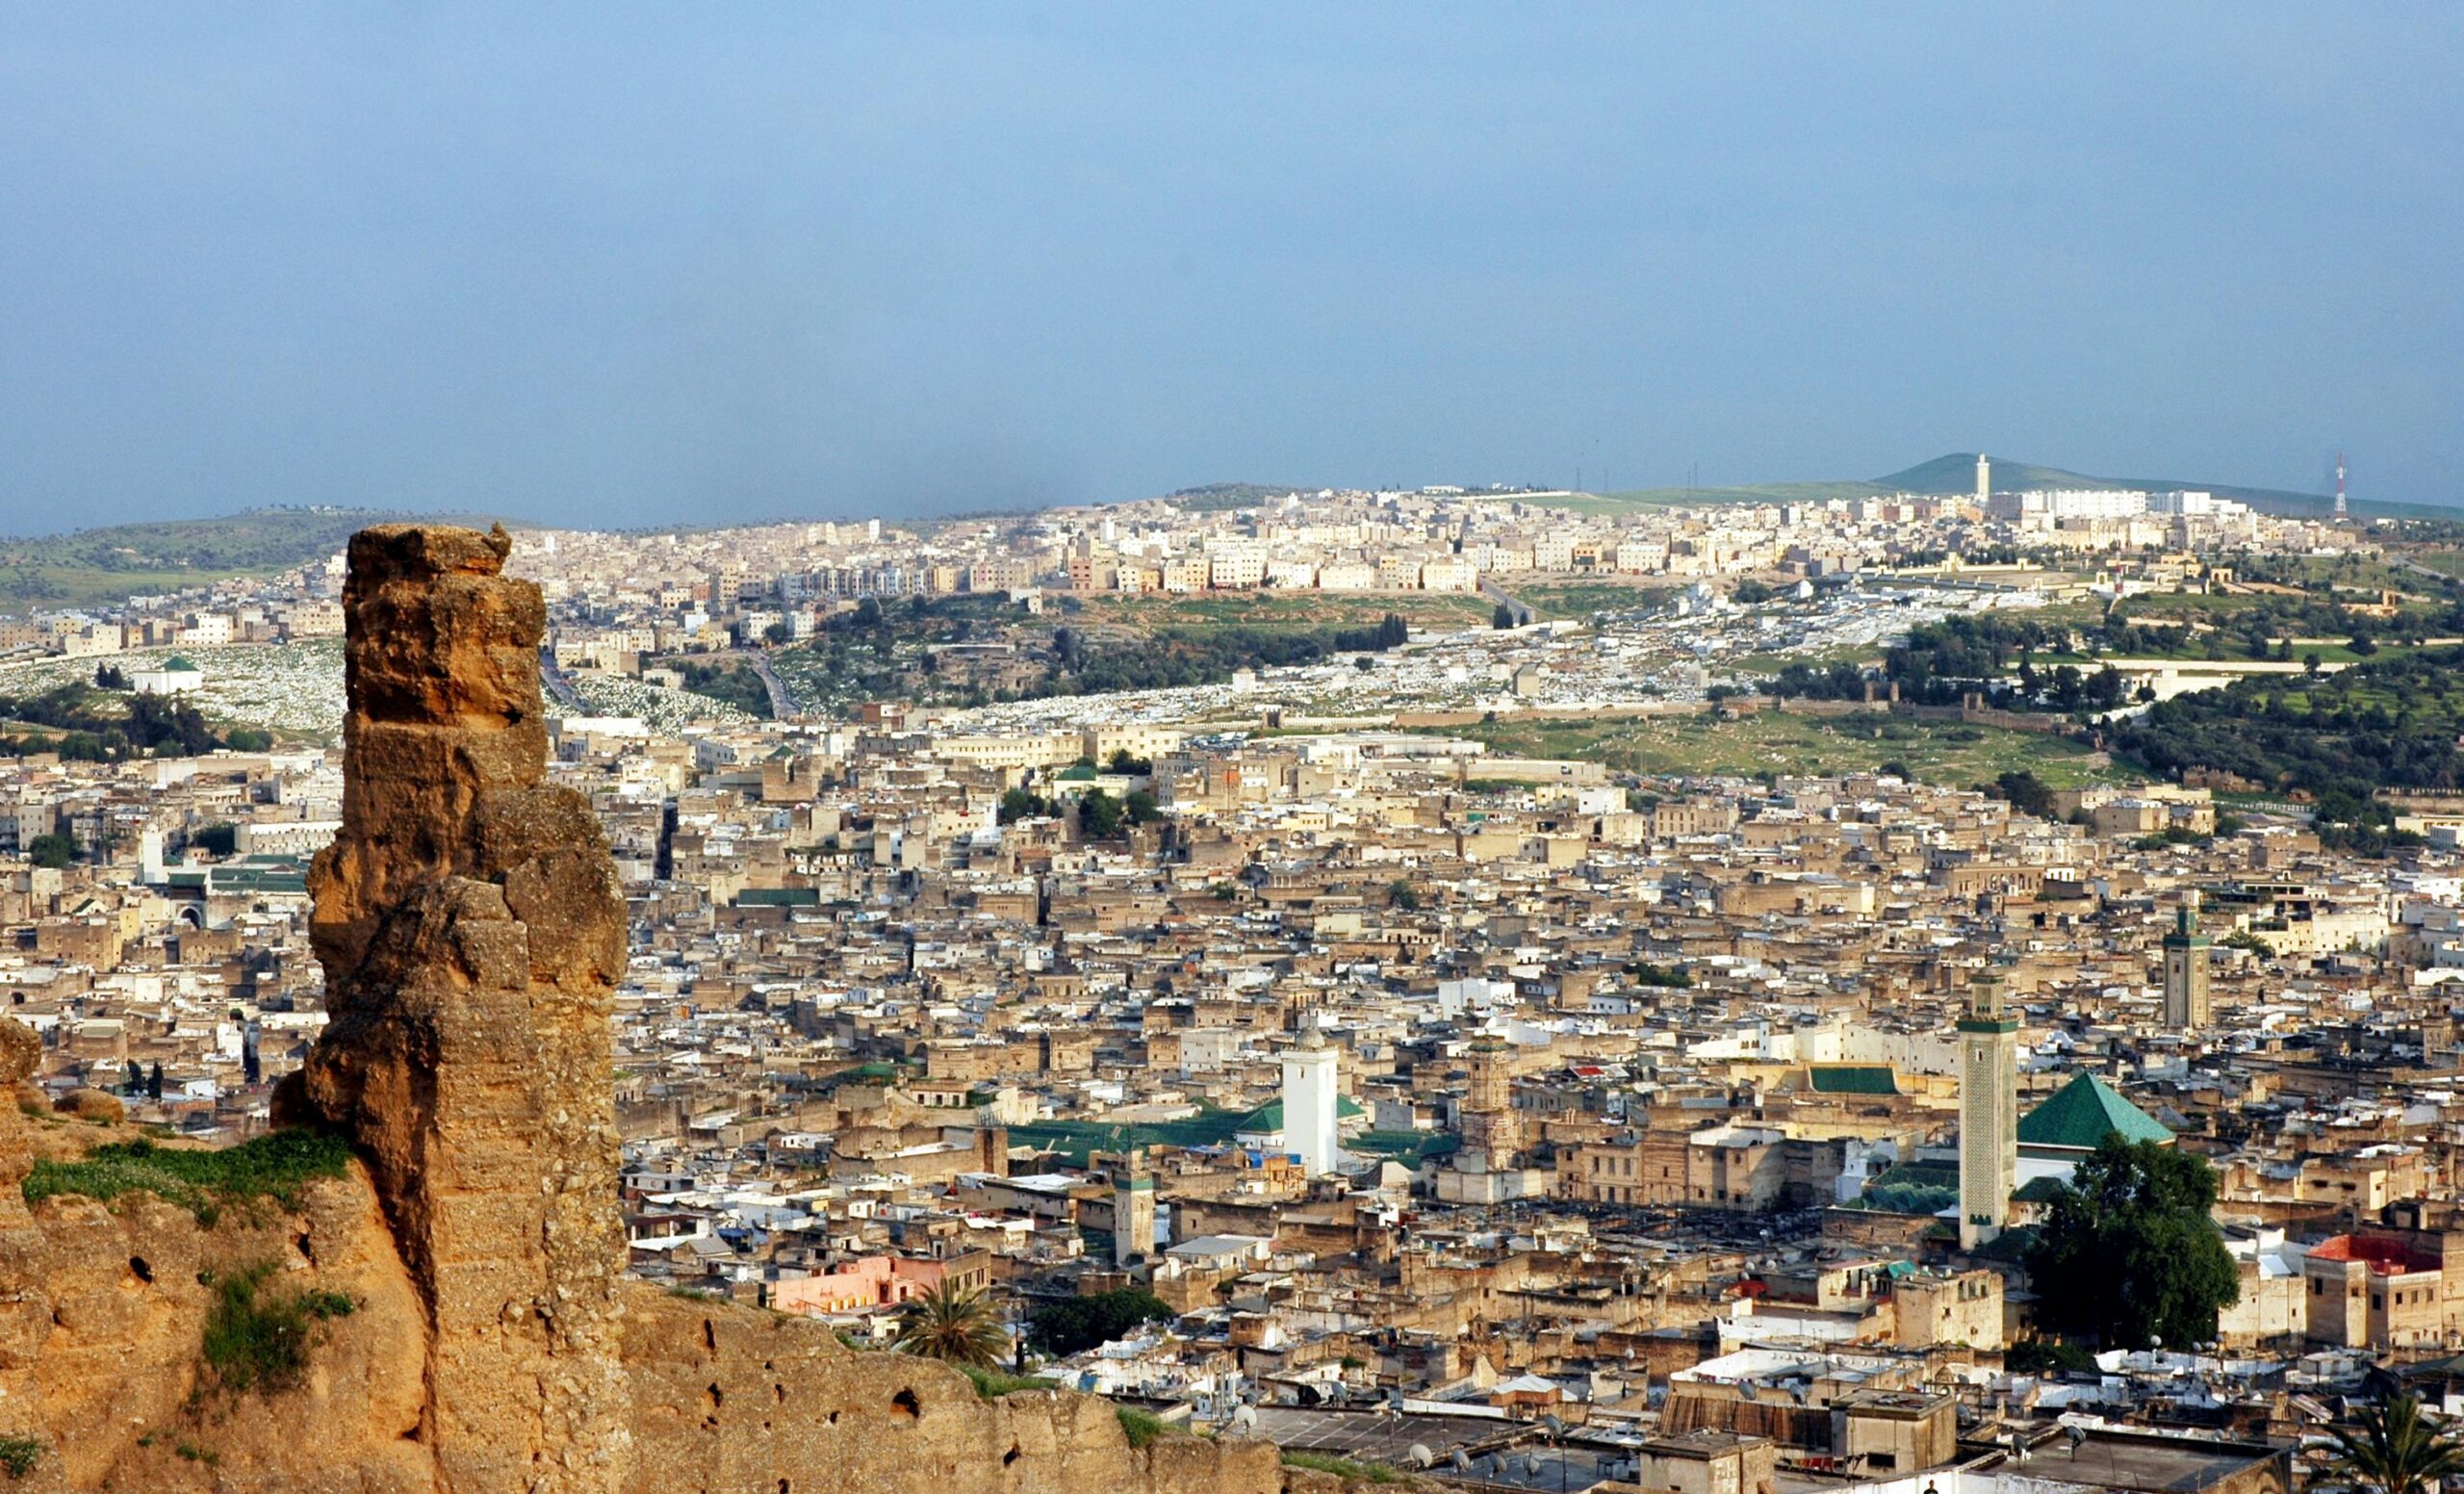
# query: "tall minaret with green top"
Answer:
x=2186 y=969
x=1989 y=1112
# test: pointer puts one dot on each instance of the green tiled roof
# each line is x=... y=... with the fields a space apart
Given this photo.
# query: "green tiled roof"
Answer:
x=1268 y=1116
x=2084 y=1112
x=1853 y=1079
x=779 y=897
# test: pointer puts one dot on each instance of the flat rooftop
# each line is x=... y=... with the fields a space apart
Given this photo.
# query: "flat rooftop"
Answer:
x=2152 y=1463
x=1377 y=1437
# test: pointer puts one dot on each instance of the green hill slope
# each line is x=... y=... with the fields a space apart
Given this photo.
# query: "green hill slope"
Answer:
x=91 y=567
x=1956 y=472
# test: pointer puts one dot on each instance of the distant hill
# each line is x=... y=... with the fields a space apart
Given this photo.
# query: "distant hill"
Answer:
x=1217 y=497
x=92 y=567
x=1956 y=472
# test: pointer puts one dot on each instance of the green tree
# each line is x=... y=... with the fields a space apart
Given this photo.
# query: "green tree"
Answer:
x=1141 y=808
x=2394 y=1450
x=1502 y=617
x=2038 y=1356
x=949 y=1324
x=2127 y=1252
x=1099 y=815
x=1403 y=895
x=1082 y=1323
x=2025 y=792
x=52 y=849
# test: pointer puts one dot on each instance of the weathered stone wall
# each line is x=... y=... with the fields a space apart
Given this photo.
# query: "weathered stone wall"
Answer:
x=730 y=1401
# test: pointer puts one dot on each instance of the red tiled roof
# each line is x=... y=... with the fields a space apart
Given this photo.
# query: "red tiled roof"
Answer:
x=2385 y=1257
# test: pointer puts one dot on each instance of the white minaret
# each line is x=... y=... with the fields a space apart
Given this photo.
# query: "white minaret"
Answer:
x=1984 y=478
x=1309 y=1082
x=1988 y=1113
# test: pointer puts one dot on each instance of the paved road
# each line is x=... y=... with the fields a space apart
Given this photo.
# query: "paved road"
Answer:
x=558 y=686
x=782 y=707
x=2423 y=569
x=1520 y=611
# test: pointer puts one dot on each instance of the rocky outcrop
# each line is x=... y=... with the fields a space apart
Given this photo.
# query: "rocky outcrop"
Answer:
x=471 y=932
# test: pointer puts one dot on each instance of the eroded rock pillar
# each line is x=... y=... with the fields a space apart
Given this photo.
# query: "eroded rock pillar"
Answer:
x=468 y=918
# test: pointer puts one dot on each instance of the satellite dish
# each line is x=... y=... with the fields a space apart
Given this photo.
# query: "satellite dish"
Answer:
x=1245 y=1419
x=1419 y=1456
x=1531 y=1465
x=1461 y=1461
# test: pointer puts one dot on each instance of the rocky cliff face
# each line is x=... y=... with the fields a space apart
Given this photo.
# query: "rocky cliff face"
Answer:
x=472 y=934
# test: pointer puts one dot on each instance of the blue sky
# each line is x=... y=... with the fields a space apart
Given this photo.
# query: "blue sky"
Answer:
x=635 y=265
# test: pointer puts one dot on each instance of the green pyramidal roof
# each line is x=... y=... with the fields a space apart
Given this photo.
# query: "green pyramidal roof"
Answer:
x=2084 y=1112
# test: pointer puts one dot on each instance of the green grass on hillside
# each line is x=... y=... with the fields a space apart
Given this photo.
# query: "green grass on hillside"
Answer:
x=274 y=1167
x=1943 y=753
x=1955 y=473
x=1343 y=1468
x=1557 y=598
x=137 y=560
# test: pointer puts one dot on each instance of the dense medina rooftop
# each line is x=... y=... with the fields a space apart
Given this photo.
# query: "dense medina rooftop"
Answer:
x=1642 y=986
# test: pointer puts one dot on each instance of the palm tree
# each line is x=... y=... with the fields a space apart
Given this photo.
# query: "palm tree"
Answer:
x=950 y=1324
x=2396 y=1451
